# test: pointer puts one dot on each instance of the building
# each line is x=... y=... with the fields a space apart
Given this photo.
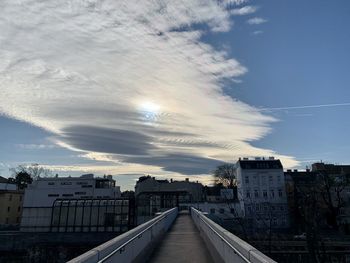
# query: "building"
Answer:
x=298 y=185
x=338 y=194
x=11 y=201
x=261 y=192
x=47 y=201
x=154 y=195
x=327 y=188
x=6 y=185
x=331 y=169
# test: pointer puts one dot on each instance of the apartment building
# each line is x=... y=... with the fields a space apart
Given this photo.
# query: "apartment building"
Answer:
x=261 y=192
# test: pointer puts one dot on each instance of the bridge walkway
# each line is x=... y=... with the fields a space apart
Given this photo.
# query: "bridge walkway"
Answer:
x=182 y=243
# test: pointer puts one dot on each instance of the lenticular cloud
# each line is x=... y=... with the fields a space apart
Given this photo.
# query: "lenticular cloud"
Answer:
x=129 y=79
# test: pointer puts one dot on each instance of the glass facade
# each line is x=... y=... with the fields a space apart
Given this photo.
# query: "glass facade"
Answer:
x=92 y=215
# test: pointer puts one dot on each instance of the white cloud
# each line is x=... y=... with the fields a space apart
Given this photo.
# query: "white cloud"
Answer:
x=246 y=10
x=258 y=32
x=232 y=3
x=256 y=21
x=83 y=69
x=36 y=146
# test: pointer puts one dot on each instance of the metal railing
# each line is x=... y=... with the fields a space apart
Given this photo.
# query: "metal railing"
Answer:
x=228 y=246
x=128 y=246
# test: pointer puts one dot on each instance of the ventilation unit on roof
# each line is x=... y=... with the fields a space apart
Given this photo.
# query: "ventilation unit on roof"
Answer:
x=245 y=158
x=271 y=158
x=257 y=158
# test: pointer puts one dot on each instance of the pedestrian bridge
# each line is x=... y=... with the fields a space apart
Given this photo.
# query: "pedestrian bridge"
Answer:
x=175 y=237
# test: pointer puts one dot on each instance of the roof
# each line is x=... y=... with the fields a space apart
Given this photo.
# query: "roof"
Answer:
x=260 y=164
x=3 y=180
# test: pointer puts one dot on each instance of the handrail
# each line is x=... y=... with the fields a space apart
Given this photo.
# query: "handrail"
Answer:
x=161 y=217
x=218 y=234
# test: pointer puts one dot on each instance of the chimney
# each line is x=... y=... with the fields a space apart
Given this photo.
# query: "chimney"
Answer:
x=171 y=180
x=187 y=180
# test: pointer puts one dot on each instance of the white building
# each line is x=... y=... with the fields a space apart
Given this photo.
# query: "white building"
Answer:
x=40 y=196
x=261 y=192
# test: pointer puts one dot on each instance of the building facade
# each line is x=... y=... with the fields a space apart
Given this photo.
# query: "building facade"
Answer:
x=42 y=195
x=11 y=202
x=154 y=195
x=261 y=192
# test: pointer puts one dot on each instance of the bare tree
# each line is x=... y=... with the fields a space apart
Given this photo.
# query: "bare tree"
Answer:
x=24 y=174
x=238 y=219
x=320 y=204
x=225 y=174
x=331 y=189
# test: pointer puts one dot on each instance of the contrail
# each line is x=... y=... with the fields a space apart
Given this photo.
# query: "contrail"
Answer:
x=307 y=106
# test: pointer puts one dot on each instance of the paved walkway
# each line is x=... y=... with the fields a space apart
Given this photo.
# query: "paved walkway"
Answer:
x=182 y=243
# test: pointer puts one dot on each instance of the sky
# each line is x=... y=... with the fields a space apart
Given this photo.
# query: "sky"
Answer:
x=172 y=88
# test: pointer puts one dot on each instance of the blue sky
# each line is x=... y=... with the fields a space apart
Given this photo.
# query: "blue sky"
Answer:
x=172 y=89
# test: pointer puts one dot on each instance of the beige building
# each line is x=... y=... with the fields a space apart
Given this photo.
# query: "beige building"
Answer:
x=11 y=202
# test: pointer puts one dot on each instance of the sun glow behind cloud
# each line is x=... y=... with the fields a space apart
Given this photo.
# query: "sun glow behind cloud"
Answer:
x=78 y=69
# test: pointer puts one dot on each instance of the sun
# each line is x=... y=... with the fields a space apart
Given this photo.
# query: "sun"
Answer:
x=150 y=107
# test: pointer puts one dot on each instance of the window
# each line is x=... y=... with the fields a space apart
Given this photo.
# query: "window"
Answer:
x=53 y=195
x=87 y=186
x=265 y=194
x=8 y=209
x=280 y=194
x=10 y=197
x=66 y=183
x=17 y=220
x=80 y=193
x=19 y=209
x=232 y=210
x=247 y=179
x=67 y=195
x=51 y=183
x=262 y=165
x=20 y=198
x=221 y=211
x=109 y=219
x=248 y=194
x=249 y=209
x=272 y=193
x=279 y=178
x=104 y=183
x=86 y=197
x=270 y=179
x=274 y=222
x=263 y=180
x=82 y=183
x=7 y=220
x=256 y=193
x=212 y=210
